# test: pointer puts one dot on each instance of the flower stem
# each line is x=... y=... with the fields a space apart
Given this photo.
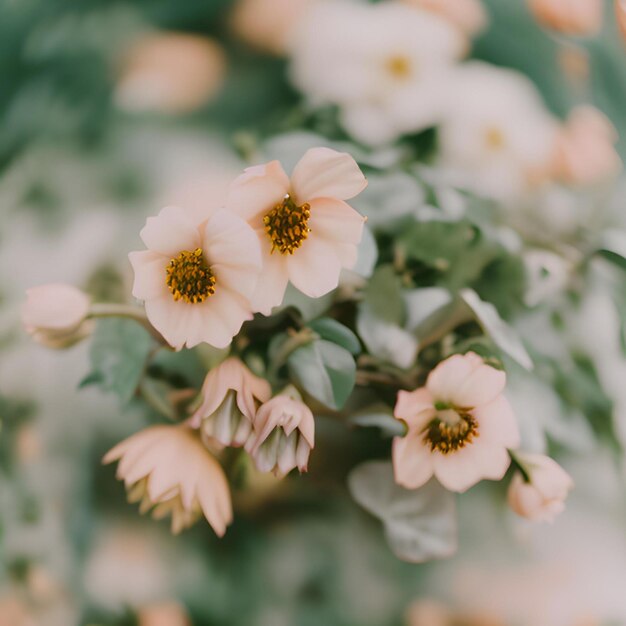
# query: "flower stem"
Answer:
x=107 y=309
x=519 y=465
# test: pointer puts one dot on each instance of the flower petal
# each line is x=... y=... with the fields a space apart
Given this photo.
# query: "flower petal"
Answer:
x=170 y=232
x=335 y=220
x=410 y=406
x=326 y=173
x=412 y=461
x=149 y=268
x=270 y=289
x=497 y=423
x=315 y=267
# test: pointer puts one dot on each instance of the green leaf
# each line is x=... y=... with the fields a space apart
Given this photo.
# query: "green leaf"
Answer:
x=118 y=354
x=384 y=296
x=335 y=332
x=325 y=371
x=500 y=332
x=379 y=416
x=420 y=525
x=614 y=248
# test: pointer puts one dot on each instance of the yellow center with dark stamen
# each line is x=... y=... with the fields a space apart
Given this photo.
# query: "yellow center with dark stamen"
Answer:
x=399 y=66
x=287 y=225
x=189 y=278
x=450 y=431
x=494 y=138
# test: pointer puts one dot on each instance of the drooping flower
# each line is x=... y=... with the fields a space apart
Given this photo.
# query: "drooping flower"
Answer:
x=496 y=138
x=570 y=17
x=384 y=65
x=459 y=426
x=196 y=278
x=306 y=231
x=231 y=394
x=55 y=315
x=283 y=436
x=542 y=497
x=469 y=16
x=168 y=468
x=170 y=73
x=585 y=151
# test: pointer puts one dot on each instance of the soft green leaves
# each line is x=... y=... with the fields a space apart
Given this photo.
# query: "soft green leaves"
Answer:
x=614 y=248
x=384 y=296
x=330 y=329
x=420 y=525
x=380 y=416
x=118 y=354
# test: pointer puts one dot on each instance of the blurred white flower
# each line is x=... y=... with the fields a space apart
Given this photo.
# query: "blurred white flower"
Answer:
x=459 y=426
x=168 y=468
x=163 y=614
x=469 y=16
x=231 y=394
x=585 y=149
x=284 y=434
x=170 y=73
x=306 y=231
x=267 y=24
x=55 y=315
x=384 y=65
x=196 y=276
x=570 y=17
x=497 y=138
x=542 y=497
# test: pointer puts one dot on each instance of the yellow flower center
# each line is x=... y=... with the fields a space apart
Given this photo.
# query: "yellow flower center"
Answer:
x=189 y=278
x=450 y=431
x=287 y=225
x=399 y=66
x=494 y=138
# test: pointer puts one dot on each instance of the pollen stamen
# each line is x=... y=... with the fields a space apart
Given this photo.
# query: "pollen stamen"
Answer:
x=189 y=278
x=287 y=225
x=446 y=437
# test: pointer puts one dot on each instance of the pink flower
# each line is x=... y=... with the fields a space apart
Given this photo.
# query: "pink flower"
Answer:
x=306 y=230
x=284 y=434
x=620 y=16
x=195 y=278
x=459 y=426
x=543 y=497
x=231 y=394
x=163 y=614
x=570 y=17
x=585 y=149
x=469 y=16
x=55 y=315
x=168 y=468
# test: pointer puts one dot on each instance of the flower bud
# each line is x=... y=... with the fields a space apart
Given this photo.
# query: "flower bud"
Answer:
x=283 y=436
x=542 y=497
x=55 y=315
x=569 y=17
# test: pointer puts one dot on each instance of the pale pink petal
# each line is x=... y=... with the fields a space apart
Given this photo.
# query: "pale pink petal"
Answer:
x=445 y=380
x=335 y=220
x=497 y=423
x=170 y=318
x=270 y=289
x=257 y=190
x=171 y=232
x=412 y=461
x=149 y=268
x=483 y=385
x=326 y=173
x=410 y=404
x=314 y=268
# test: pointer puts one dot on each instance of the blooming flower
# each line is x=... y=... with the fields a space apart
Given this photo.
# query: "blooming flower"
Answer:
x=570 y=17
x=306 y=230
x=585 y=150
x=459 y=426
x=170 y=73
x=195 y=278
x=383 y=64
x=168 y=468
x=542 y=497
x=469 y=16
x=231 y=394
x=497 y=138
x=55 y=315
x=284 y=434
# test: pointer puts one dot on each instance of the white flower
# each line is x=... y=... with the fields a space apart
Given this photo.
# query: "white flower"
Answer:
x=195 y=278
x=55 y=315
x=306 y=231
x=497 y=138
x=459 y=426
x=284 y=434
x=231 y=394
x=541 y=498
x=168 y=468
x=384 y=65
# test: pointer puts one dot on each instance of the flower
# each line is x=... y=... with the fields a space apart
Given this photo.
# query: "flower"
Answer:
x=384 y=65
x=170 y=73
x=168 y=468
x=284 y=434
x=231 y=394
x=55 y=315
x=431 y=613
x=195 y=278
x=459 y=426
x=267 y=24
x=163 y=614
x=496 y=138
x=469 y=16
x=585 y=150
x=306 y=230
x=542 y=497
x=570 y=17
x=620 y=16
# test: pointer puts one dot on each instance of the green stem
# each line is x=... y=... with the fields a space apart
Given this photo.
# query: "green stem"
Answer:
x=106 y=309
x=519 y=465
